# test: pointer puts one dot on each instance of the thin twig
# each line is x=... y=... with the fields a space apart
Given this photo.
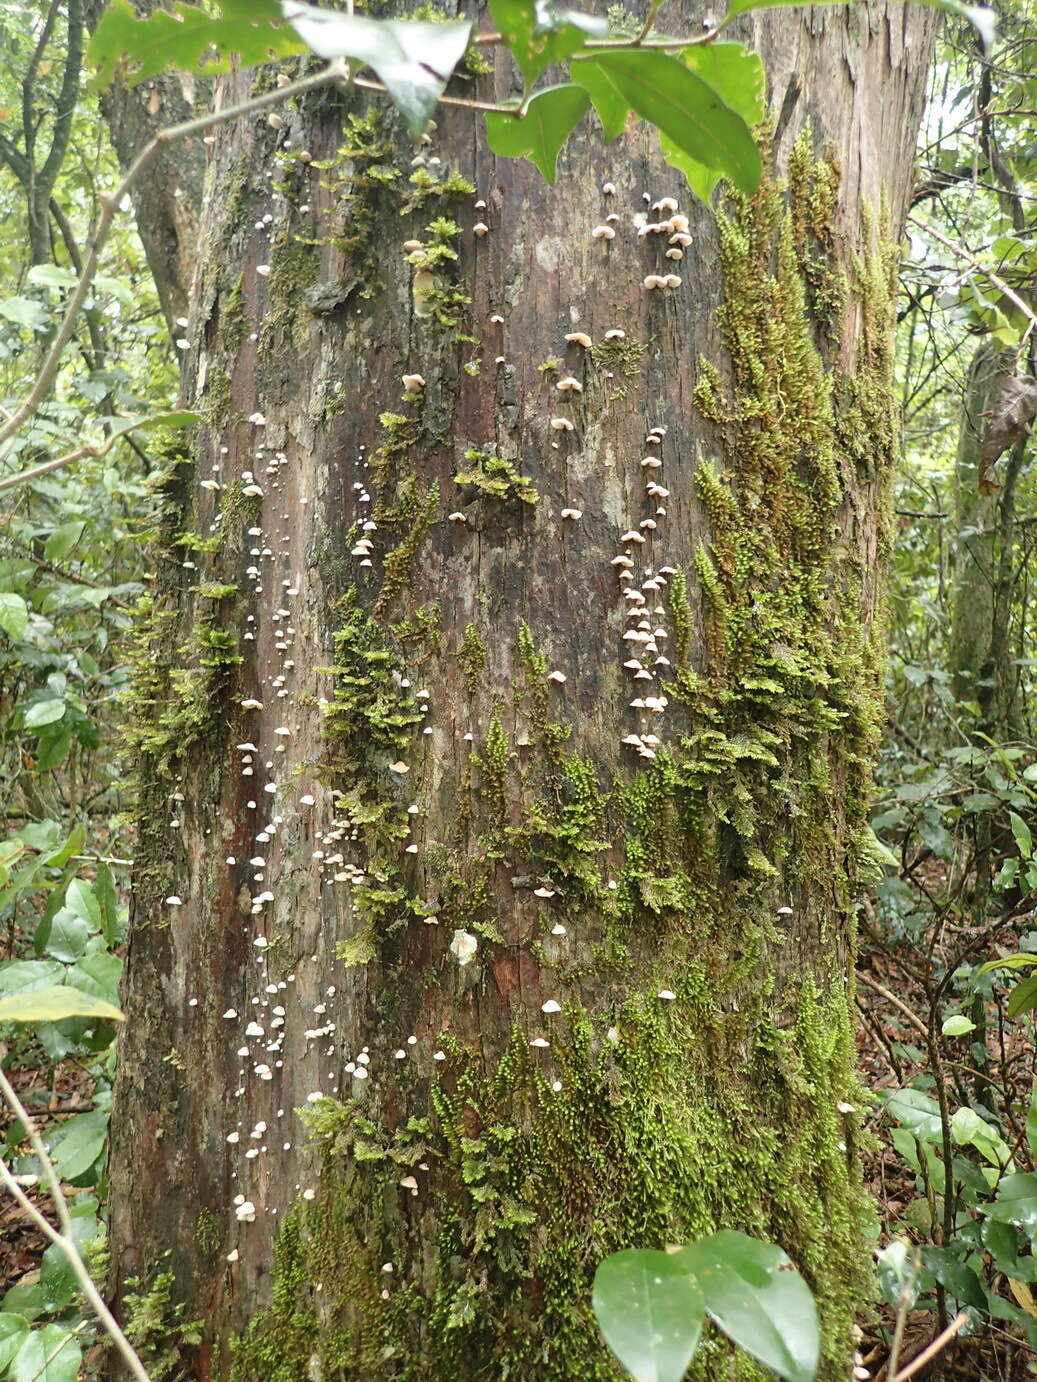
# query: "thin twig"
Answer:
x=62 y=1239
x=938 y=1344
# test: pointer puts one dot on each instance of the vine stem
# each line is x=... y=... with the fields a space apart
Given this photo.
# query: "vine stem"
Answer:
x=335 y=72
x=63 y=1238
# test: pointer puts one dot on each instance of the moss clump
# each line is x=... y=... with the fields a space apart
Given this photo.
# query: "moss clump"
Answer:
x=398 y=562
x=491 y=477
x=622 y=360
x=472 y=657
x=157 y=1328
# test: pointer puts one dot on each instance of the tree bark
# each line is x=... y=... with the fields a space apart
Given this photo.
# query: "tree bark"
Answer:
x=353 y=766
x=985 y=560
x=167 y=199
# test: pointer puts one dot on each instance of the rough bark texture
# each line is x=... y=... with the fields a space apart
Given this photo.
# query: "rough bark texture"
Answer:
x=167 y=199
x=981 y=651
x=345 y=759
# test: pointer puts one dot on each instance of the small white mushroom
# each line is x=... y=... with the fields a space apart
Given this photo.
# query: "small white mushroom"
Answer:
x=413 y=383
x=561 y=424
x=569 y=385
x=579 y=338
x=603 y=232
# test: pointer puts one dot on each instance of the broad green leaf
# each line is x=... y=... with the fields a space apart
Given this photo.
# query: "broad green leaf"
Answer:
x=25 y=312
x=187 y=37
x=414 y=59
x=44 y=713
x=961 y=1281
x=53 y=1003
x=649 y=1308
x=121 y=425
x=14 y=614
x=611 y=106
x=22 y=976
x=686 y=109
x=970 y=1130
x=80 y=900
x=57 y=1278
x=1031 y=1119
x=59 y=857
x=76 y=1145
x=1016 y=1201
x=42 y=1358
x=69 y=935
x=737 y=77
x=756 y=1296
x=915 y=1111
x=958 y=1025
x=63 y=539
x=1021 y=831
x=1020 y=960
x=1023 y=997
x=538 y=33
x=98 y=974
x=51 y=276
x=14 y=1330
x=983 y=20
x=550 y=118
x=52 y=748
x=107 y=902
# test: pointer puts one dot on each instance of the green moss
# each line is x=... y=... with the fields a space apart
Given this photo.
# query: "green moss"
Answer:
x=398 y=562
x=157 y=1328
x=472 y=657
x=492 y=477
x=293 y=269
x=530 y=1186
x=622 y=360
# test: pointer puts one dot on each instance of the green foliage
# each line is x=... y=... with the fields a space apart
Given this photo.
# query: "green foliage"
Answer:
x=650 y=1306
x=549 y=118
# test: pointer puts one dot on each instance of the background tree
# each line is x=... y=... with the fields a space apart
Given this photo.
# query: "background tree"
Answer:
x=503 y=731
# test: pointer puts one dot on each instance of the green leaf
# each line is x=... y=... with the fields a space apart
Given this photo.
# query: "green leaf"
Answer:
x=649 y=1308
x=23 y=976
x=687 y=110
x=961 y=1281
x=63 y=539
x=57 y=1278
x=917 y=1112
x=414 y=59
x=737 y=77
x=756 y=1296
x=14 y=1330
x=98 y=974
x=51 y=276
x=538 y=33
x=550 y=118
x=80 y=900
x=1019 y=960
x=1016 y=1201
x=43 y=1358
x=44 y=713
x=121 y=425
x=983 y=20
x=68 y=937
x=1023 y=997
x=59 y=857
x=1021 y=831
x=187 y=37
x=14 y=614
x=958 y=1025
x=970 y=1130
x=53 y=1003
x=1031 y=1119
x=25 y=312
x=77 y=1144
x=107 y=902
x=611 y=106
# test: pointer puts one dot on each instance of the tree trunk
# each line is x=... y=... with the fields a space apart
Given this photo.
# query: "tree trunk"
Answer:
x=354 y=768
x=982 y=667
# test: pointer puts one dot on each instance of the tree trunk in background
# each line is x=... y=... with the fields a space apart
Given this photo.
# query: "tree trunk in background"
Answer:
x=167 y=199
x=981 y=652
x=352 y=768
